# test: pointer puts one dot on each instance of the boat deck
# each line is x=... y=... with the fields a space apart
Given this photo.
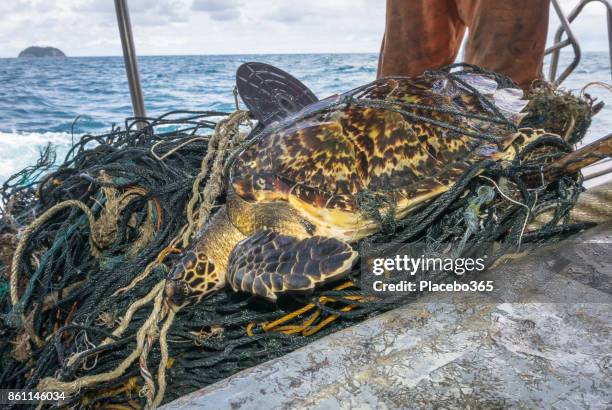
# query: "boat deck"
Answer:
x=541 y=340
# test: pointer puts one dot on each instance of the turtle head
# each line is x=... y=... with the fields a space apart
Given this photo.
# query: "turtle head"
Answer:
x=191 y=279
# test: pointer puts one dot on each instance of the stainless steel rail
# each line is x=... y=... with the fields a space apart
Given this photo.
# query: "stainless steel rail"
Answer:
x=565 y=27
x=131 y=64
x=129 y=57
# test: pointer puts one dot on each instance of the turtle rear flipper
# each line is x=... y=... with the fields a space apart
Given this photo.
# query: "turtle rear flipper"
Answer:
x=270 y=93
x=269 y=263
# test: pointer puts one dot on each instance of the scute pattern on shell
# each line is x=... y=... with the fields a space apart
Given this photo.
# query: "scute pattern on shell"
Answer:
x=326 y=159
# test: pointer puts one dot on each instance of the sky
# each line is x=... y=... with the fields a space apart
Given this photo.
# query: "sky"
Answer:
x=168 y=27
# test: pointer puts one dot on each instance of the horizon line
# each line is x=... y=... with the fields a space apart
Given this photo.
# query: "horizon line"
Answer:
x=207 y=54
x=235 y=54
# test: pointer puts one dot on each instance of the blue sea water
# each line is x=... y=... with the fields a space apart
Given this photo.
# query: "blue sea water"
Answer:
x=40 y=98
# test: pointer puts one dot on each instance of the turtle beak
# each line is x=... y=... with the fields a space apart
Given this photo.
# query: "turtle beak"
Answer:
x=176 y=292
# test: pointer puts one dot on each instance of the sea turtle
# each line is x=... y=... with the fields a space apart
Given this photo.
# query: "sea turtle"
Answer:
x=292 y=208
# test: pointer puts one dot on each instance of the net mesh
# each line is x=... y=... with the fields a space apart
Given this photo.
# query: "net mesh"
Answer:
x=139 y=186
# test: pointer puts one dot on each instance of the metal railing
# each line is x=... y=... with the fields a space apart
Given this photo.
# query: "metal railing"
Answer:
x=570 y=39
x=131 y=65
x=129 y=57
x=565 y=27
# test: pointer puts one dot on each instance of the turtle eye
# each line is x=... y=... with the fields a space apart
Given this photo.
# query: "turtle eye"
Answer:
x=181 y=268
x=177 y=273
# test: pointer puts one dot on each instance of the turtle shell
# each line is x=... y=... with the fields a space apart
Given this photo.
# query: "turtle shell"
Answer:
x=323 y=157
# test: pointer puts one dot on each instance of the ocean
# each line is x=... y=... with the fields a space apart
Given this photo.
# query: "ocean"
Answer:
x=41 y=98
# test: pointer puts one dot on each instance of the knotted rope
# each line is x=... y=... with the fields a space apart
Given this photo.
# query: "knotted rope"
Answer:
x=227 y=332
x=225 y=138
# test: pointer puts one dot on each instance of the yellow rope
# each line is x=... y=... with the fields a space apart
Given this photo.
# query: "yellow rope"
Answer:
x=51 y=383
x=140 y=277
x=225 y=138
x=131 y=386
x=226 y=134
x=125 y=321
x=269 y=326
x=325 y=322
x=148 y=389
x=306 y=327
x=163 y=364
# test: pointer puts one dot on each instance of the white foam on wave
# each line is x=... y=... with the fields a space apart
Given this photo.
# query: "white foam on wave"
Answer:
x=20 y=149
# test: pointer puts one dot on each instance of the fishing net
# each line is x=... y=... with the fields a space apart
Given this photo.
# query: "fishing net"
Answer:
x=86 y=245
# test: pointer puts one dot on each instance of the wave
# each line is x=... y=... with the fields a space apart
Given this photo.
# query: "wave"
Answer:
x=20 y=149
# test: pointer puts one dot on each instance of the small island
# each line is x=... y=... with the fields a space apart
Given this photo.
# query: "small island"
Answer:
x=37 y=52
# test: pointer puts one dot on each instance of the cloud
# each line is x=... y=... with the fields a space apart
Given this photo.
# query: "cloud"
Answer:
x=214 y=5
x=225 y=15
x=146 y=12
x=18 y=5
x=220 y=10
x=96 y=6
x=286 y=14
x=89 y=27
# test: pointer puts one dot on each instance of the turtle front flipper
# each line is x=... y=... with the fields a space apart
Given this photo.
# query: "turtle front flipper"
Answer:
x=270 y=93
x=268 y=263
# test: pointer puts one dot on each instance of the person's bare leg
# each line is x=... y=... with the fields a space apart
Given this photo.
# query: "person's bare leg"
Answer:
x=419 y=35
x=506 y=36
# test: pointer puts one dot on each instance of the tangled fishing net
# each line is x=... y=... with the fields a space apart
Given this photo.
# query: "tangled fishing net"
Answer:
x=86 y=245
